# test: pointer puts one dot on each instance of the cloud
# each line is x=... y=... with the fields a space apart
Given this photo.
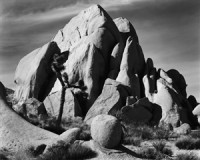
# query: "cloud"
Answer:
x=168 y=30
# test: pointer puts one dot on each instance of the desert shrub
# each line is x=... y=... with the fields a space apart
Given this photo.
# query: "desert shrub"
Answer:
x=152 y=153
x=188 y=156
x=161 y=133
x=130 y=140
x=160 y=147
x=134 y=133
x=68 y=151
x=138 y=130
x=188 y=143
x=148 y=153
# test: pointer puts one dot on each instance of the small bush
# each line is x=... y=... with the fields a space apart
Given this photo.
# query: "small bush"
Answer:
x=186 y=157
x=160 y=147
x=66 y=151
x=152 y=153
x=145 y=132
x=188 y=143
x=161 y=133
x=138 y=130
x=149 y=153
x=130 y=140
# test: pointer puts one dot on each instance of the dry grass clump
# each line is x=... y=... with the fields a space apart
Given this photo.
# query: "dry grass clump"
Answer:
x=60 y=151
x=130 y=140
x=188 y=156
x=188 y=143
x=134 y=133
x=68 y=152
x=158 y=152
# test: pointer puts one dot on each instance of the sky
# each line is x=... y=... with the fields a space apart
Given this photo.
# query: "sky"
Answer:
x=168 y=31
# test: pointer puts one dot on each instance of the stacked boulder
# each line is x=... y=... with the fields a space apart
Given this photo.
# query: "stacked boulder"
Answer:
x=105 y=58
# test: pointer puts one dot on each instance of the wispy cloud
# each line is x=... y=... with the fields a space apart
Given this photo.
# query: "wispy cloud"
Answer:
x=168 y=30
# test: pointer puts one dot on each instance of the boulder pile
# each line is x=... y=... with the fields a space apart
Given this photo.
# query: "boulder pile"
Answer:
x=100 y=65
x=93 y=66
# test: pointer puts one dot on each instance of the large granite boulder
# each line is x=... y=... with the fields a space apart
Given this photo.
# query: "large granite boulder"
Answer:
x=106 y=130
x=16 y=133
x=33 y=76
x=126 y=30
x=169 y=101
x=88 y=22
x=71 y=106
x=111 y=100
x=127 y=74
x=90 y=37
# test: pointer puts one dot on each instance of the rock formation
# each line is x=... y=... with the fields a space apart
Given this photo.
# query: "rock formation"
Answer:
x=103 y=71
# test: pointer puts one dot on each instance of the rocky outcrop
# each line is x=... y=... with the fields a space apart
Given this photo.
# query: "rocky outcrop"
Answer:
x=71 y=106
x=33 y=76
x=111 y=100
x=16 y=133
x=102 y=67
x=106 y=130
x=90 y=38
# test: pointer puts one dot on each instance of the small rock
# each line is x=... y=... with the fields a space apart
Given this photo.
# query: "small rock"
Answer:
x=68 y=137
x=183 y=129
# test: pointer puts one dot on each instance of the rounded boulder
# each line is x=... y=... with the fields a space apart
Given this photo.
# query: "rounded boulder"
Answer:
x=106 y=130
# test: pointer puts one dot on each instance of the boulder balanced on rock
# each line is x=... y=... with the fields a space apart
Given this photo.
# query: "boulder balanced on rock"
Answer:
x=106 y=130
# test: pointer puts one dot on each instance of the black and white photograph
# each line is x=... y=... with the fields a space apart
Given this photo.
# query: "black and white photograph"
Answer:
x=99 y=80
